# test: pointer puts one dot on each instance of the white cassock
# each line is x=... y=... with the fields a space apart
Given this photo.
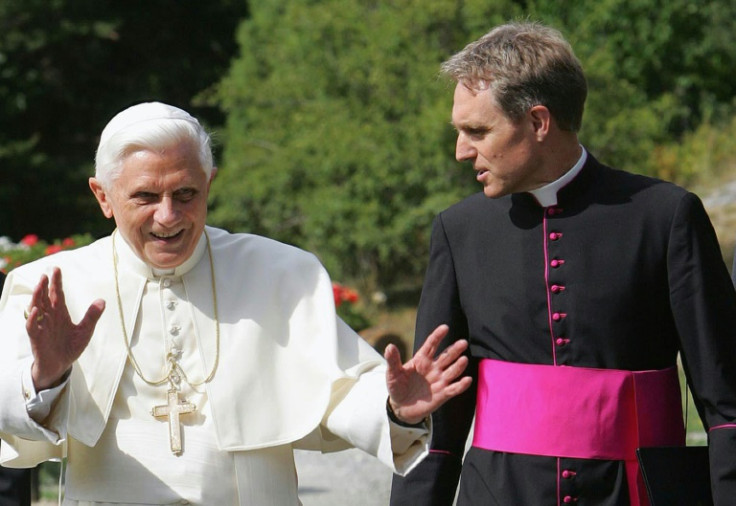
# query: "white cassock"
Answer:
x=290 y=375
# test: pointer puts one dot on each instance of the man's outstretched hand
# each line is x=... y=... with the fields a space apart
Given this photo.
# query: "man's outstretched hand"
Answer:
x=425 y=382
x=56 y=342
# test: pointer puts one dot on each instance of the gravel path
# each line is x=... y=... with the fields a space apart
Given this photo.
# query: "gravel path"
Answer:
x=349 y=477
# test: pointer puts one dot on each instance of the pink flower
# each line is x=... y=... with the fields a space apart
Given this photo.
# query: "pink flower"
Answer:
x=29 y=240
x=68 y=242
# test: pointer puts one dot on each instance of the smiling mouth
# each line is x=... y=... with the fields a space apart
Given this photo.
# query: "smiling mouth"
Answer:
x=167 y=237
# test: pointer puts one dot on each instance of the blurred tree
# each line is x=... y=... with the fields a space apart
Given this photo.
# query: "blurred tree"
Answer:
x=67 y=66
x=338 y=135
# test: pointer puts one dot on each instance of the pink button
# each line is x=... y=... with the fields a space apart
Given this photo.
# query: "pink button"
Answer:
x=556 y=262
x=551 y=211
x=556 y=288
x=560 y=341
x=569 y=499
x=553 y=236
x=568 y=474
x=558 y=316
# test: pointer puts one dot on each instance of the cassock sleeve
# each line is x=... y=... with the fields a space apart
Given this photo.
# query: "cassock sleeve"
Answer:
x=20 y=427
x=434 y=481
x=357 y=413
x=704 y=308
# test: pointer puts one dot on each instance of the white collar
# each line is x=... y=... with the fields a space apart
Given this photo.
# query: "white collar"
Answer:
x=547 y=194
x=132 y=261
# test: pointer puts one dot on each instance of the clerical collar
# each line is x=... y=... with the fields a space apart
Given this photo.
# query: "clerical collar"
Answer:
x=547 y=194
x=130 y=260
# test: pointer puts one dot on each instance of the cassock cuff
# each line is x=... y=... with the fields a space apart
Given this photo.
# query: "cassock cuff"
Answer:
x=39 y=404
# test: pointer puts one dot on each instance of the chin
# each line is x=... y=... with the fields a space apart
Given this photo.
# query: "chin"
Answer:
x=494 y=193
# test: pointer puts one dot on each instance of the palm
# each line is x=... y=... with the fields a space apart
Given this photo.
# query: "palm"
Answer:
x=424 y=383
x=56 y=342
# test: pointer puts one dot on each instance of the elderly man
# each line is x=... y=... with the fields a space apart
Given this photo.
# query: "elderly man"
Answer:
x=577 y=285
x=200 y=358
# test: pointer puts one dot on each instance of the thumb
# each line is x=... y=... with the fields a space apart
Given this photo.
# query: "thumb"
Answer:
x=393 y=360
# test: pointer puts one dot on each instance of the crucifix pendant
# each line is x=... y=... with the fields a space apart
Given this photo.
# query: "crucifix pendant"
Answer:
x=172 y=410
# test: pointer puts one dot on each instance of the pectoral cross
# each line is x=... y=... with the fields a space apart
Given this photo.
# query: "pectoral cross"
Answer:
x=172 y=410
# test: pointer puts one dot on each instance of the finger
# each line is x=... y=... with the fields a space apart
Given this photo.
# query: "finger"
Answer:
x=429 y=348
x=56 y=291
x=451 y=354
x=39 y=293
x=457 y=387
x=35 y=316
x=455 y=369
x=92 y=316
x=393 y=359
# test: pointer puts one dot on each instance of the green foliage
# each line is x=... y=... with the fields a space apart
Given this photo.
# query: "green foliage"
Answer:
x=338 y=135
x=704 y=158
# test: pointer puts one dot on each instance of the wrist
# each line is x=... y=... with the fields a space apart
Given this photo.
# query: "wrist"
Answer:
x=395 y=418
x=41 y=383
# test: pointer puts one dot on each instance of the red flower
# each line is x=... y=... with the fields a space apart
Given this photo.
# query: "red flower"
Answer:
x=350 y=295
x=68 y=242
x=337 y=294
x=29 y=240
x=53 y=248
x=342 y=293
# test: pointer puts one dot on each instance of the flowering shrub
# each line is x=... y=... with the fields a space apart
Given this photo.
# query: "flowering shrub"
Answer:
x=31 y=248
x=346 y=305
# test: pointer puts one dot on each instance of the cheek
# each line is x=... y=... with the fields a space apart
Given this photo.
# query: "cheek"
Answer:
x=135 y=218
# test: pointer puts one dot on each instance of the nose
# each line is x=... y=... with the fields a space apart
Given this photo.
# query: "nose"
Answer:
x=464 y=149
x=167 y=213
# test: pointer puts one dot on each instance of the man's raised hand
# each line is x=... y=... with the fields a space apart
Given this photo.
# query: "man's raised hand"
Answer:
x=56 y=342
x=425 y=382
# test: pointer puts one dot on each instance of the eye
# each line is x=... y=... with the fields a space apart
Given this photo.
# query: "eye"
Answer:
x=145 y=197
x=185 y=194
x=477 y=133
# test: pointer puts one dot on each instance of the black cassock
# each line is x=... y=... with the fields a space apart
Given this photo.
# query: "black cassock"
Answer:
x=643 y=279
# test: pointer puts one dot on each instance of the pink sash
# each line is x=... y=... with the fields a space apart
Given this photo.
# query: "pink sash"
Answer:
x=577 y=412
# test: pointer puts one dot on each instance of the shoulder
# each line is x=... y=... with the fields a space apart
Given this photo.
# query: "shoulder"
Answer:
x=258 y=251
x=620 y=183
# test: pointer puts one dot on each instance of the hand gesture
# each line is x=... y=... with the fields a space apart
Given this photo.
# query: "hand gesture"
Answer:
x=56 y=342
x=424 y=383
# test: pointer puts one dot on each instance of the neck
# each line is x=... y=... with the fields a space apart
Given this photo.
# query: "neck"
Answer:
x=562 y=155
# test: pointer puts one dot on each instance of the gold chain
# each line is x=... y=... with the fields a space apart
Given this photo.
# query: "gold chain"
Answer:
x=174 y=367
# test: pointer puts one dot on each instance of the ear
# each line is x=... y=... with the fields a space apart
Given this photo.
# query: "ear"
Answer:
x=541 y=121
x=101 y=196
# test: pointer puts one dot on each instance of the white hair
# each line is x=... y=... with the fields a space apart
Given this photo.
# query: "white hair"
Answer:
x=152 y=126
